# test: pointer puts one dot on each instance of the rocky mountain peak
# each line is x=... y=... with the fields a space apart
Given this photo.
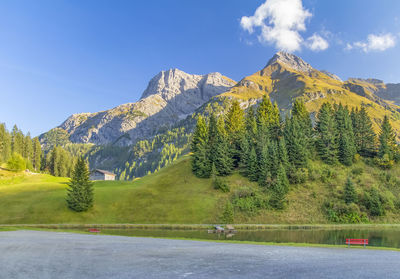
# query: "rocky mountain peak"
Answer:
x=291 y=61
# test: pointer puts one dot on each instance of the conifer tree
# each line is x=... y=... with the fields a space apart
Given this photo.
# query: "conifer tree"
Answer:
x=279 y=189
x=5 y=143
x=37 y=154
x=350 y=194
x=302 y=116
x=251 y=126
x=28 y=150
x=235 y=127
x=296 y=142
x=273 y=159
x=200 y=162
x=263 y=165
x=80 y=190
x=252 y=165
x=220 y=150
x=364 y=135
x=327 y=134
x=387 y=139
x=17 y=141
x=345 y=135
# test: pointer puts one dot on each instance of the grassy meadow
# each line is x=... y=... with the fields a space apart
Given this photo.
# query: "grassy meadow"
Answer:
x=175 y=196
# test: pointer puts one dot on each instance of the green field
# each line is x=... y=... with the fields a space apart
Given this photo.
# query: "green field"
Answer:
x=175 y=196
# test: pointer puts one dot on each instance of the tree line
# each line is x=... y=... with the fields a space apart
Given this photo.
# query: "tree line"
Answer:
x=19 y=151
x=275 y=153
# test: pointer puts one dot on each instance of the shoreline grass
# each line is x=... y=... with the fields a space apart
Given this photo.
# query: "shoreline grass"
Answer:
x=288 y=244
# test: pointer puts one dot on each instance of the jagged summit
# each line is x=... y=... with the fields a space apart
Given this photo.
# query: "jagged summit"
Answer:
x=291 y=61
x=167 y=84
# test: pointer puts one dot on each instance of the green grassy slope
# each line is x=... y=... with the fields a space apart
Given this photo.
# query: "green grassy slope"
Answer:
x=174 y=195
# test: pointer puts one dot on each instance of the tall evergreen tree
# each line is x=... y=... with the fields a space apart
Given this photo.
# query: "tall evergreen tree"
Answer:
x=252 y=165
x=5 y=144
x=17 y=141
x=364 y=135
x=37 y=154
x=327 y=134
x=235 y=127
x=220 y=149
x=296 y=142
x=345 y=135
x=350 y=194
x=279 y=189
x=80 y=190
x=200 y=162
x=387 y=140
x=28 y=150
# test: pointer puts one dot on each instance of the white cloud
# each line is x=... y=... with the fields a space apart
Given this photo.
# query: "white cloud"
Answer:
x=280 y=22
x=316 y=43
x=374 y=43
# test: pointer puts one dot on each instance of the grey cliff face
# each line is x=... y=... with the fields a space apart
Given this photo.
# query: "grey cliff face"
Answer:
x=170 y=96
x=292 y=61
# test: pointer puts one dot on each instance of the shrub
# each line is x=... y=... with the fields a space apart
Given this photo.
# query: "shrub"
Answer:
x=228 y=214
x=373 y=201
x=220 y=184
x=16 y=162
x=357 y=171
x=385 y=162
x=248 y=200
x=297 y=176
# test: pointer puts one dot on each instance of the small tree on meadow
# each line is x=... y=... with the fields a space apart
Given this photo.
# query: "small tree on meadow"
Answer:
x=350 y=194
x=80 y=190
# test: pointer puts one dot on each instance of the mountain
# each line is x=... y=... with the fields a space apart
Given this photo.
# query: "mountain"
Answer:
x=169 y=97
x=137 y=138
x=287 y=77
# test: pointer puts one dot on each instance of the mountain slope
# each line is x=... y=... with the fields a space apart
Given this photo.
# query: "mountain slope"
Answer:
x=175 y=196
x=170 y=96
x=287 y=77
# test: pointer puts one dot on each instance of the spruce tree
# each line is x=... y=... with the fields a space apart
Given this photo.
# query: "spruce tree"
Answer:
x=296 y=143
x=347 y=148
x=301 y=115
x=252 y=166
x=37 y=154
x=279 y=189
x=364 y=135
x=220 y=150
x=327 y=134
x=251 y=126
x=80 y=189
x=350 y=194
x=5 y=144
x=235 y=128
x=199 y=147
x=387 y=140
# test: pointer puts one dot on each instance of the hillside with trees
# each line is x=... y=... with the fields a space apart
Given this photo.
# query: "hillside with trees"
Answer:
x=281 y=154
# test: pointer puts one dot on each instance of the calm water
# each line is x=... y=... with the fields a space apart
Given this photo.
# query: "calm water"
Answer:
x=386 y=237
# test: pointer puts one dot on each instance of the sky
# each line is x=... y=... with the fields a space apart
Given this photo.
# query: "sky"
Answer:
x=63 y=57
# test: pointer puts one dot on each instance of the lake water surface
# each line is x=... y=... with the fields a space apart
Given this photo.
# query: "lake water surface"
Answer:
x=385 y=237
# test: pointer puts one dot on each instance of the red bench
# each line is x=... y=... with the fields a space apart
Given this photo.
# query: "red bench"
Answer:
x=94 y=230
x=356 y=241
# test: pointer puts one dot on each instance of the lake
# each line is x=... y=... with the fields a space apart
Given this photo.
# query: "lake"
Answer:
x=382 y=237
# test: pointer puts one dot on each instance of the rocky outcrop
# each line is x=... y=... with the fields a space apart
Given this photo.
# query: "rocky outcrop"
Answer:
x=170 y=96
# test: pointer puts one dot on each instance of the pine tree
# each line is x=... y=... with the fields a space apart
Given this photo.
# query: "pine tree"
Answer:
x=263 y=165
x=235 y=128
x=28 y=150
x=80 y=190
x=347 y=148
x=279 y=189
x=296 y=143
x=17 y=141
x=364 y=135
x=283 y=154
x=350 y=194
x=252 y=165
x=5 y=143
x=387 y=140
x=251 y=127
x=327 y=134
x=200 y=162
x=220 y=150
x=37 y=154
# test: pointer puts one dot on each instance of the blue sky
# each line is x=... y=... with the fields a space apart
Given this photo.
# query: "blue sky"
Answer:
x=64 y=57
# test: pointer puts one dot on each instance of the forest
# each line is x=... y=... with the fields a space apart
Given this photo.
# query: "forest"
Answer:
x=278 y=154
